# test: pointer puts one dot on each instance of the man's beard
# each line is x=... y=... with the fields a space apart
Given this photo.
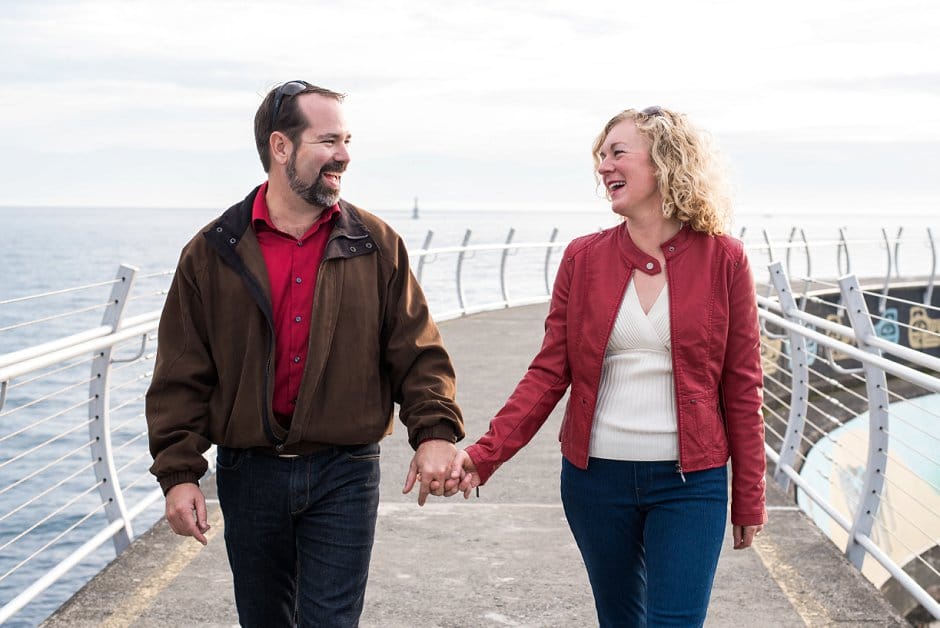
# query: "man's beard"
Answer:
x=318 y=193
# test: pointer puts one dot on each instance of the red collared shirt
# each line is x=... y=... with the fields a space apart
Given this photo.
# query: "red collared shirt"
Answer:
x=292 y=273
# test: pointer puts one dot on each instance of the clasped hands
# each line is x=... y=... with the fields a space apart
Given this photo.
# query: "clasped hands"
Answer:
x=441 y=470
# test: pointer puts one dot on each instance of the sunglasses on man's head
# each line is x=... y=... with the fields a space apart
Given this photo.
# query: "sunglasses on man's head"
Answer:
x=653 y=111
x=290 y=88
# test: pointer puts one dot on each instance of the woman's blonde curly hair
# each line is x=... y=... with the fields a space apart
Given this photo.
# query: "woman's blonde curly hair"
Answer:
x=689 y=170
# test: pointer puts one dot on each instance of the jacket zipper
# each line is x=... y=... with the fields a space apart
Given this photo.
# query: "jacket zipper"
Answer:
x=675 y=383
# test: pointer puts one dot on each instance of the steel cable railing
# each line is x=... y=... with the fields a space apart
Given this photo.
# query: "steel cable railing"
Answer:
x=59 y=436
x=37 y=472
x=913 y=553
x=853 y=450
x=37 y=497
x=54 y=317
x=835 y=395
x=39 y=400
x=51 y=293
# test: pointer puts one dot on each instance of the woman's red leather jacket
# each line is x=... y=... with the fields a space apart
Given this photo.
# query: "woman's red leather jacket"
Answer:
x=715 y=356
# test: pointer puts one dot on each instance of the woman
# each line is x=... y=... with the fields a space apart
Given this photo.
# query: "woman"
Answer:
x=653 y=325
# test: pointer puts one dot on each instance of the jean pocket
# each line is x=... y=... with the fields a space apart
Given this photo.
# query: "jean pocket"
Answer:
x=229 y=459
x=362 y=452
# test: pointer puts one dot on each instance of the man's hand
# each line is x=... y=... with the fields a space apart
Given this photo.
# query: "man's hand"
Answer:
x=186 y=511
x=430 y=466
x=744 y=535
x=464 y=470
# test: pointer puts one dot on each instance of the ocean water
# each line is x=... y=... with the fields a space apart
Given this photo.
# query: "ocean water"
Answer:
x=51 y=249
x=45 y=249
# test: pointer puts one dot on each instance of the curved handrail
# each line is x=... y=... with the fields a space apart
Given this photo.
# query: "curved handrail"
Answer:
x=910 y=365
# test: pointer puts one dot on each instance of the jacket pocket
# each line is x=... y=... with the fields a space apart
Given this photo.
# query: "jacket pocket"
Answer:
x=565 y=424
x=576 y=423
x=708 y=428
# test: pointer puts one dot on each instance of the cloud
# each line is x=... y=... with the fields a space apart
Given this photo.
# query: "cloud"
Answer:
x=509 y=93
x=923 y=83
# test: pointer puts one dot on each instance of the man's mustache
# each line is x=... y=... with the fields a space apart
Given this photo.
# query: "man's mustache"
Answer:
x=334 y=167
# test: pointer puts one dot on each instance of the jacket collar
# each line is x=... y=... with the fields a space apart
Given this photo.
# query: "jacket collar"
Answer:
x=636 y=258
x=349 y=237
x=230 y=227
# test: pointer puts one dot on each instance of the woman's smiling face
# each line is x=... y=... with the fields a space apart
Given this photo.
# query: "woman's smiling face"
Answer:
x=627 y=171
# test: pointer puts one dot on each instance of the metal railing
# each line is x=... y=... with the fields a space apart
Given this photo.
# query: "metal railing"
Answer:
x=73 y=440
x=533 y=259
x=73 y=449
x=814 y=446
x=73 y=455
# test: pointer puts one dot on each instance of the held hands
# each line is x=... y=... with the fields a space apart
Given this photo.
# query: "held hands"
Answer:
x=464 y=469
x=186 y=511
x=430 y=467
x=441 y=470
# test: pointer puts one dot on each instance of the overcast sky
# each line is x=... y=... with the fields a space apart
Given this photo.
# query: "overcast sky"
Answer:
x=468 y=104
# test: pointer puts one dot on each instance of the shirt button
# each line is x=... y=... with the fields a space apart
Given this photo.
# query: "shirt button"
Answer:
x=298 y=280
x=296 y=359
x=297 y=319
x=300 y=243
x=650 y=265
x=671 y=249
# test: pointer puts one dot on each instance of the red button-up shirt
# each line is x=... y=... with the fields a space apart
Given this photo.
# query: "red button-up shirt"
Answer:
x=292 y=273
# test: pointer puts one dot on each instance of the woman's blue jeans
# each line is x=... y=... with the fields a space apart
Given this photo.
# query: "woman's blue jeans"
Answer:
x=299 y=532
x=650 y=541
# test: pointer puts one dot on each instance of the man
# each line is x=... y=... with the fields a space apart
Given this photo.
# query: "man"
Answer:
x=292 y=326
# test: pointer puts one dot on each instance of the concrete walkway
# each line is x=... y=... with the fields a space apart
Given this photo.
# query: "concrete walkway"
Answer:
x=505 y=559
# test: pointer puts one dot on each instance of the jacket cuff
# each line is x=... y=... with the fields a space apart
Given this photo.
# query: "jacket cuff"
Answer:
x=484 y=469
x=178 y=477
x=441 y=431
x=748 y=518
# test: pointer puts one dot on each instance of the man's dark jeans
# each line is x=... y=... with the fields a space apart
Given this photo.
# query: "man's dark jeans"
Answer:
x=299 y=533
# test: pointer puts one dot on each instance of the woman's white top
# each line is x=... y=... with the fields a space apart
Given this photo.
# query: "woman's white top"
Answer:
x=635 y=418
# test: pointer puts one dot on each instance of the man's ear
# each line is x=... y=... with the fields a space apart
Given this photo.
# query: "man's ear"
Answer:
x=280 y=147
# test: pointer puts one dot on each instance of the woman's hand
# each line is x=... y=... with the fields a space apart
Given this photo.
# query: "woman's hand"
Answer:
x=743 y=535
x=463 y=468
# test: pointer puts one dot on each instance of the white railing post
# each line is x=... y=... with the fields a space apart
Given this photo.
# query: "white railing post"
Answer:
x=843 y=249
x=928 y=293
x=892 y=265
x=799 y=372
x=807 y=279
x=99 y=428
x=548 y=257
x=503 y=284
x=424 y=247
x=461 y=297
x=876 y=385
